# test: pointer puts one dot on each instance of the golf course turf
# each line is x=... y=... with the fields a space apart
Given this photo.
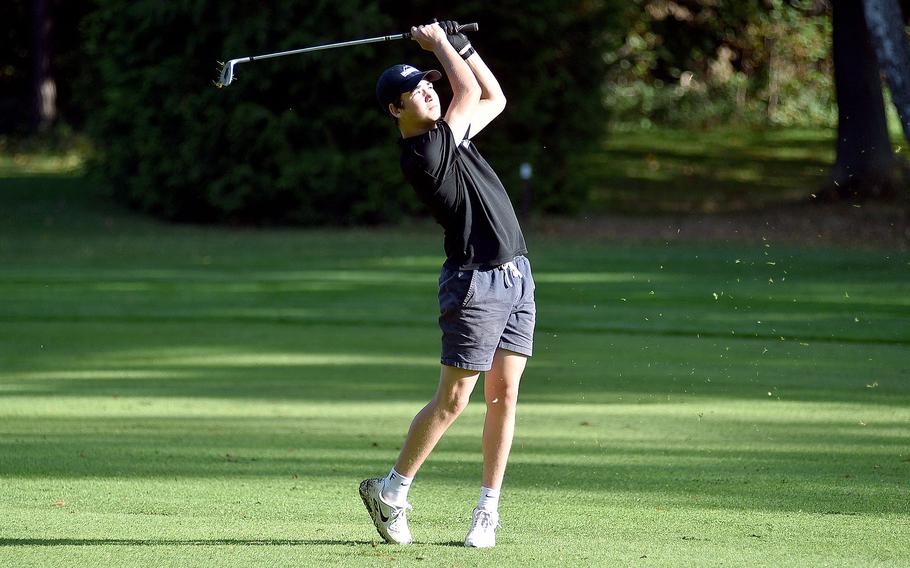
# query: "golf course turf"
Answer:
x=198 y=396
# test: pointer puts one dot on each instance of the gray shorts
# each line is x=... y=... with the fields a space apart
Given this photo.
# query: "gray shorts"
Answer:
x=485 y=309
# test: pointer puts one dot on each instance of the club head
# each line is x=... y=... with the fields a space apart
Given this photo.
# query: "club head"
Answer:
x=226 y=74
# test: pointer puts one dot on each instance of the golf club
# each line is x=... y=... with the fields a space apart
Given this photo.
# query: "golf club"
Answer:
x=226 y=69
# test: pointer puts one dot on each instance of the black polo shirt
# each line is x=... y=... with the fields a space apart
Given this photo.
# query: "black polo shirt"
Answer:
x=465 y=196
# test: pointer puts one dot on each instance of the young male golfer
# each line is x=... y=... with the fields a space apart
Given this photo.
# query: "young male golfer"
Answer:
x=486 y=292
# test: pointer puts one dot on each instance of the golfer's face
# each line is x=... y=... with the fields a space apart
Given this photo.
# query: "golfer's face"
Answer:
x=423 y=101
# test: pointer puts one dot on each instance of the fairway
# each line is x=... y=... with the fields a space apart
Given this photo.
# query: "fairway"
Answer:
x=195 y=396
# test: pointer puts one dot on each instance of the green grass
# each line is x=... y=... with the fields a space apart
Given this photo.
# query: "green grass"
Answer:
x=725 y=169
x=191 y=396
x=60 y=151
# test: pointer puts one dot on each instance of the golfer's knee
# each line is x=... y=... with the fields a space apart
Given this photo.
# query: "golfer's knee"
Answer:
x=504 y=397
x=449 y=405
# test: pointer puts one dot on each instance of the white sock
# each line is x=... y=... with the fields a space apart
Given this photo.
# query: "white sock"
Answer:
x=489 y=499
x=395 y=488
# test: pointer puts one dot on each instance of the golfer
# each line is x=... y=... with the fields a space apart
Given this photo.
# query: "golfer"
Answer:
x=486 y=292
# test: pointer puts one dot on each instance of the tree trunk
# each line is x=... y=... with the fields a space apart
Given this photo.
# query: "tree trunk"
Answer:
x=45 y=89
x=885 y=23
x=865 y=165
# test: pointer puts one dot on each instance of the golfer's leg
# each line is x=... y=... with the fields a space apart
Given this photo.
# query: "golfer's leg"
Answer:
x=501 y=393
x=452 y=395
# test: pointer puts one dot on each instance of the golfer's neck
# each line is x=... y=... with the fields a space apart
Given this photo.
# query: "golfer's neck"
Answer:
x=412 y=130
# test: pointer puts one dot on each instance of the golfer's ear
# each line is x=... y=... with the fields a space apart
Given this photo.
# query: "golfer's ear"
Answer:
x=393 y=110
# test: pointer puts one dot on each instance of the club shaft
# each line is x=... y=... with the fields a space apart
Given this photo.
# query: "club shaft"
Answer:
x=406 y=35
x=329 y=46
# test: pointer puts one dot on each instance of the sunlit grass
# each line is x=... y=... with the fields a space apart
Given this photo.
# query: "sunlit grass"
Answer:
x=92 y=374
x=41 y=164
x=58 y=152
x=178 y=358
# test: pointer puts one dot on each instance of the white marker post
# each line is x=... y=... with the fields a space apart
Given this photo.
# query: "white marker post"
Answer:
x=525 y=171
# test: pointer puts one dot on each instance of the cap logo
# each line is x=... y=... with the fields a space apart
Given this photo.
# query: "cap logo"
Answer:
x=407 y=71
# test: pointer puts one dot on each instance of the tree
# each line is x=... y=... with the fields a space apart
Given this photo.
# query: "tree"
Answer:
x=45 y=88
x=865 y=164
x=885 y=23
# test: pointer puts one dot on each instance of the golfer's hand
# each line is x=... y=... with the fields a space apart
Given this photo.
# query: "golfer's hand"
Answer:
x=458 y=40
x=429 y=36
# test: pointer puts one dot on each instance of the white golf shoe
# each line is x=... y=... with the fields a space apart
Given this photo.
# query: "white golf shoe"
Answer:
x=390 y=520
x=483 y=529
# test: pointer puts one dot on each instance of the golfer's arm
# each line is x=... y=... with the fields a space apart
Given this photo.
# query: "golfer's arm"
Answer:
x=492 y=99
x=465 y=90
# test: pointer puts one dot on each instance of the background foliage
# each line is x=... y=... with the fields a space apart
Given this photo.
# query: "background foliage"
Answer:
x=301 y=139
x=293 y=141
x=709 y=62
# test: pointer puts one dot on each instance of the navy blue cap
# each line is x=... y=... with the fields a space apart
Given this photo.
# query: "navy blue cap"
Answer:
x=399 y=79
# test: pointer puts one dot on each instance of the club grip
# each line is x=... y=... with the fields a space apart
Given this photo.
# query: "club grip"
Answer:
x=462 y=28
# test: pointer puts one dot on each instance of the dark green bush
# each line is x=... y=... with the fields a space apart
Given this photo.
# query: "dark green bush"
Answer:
x=300 y=139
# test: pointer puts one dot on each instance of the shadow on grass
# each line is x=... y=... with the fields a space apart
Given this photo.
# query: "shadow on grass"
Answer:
x=54 y=202
x=412 y=379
